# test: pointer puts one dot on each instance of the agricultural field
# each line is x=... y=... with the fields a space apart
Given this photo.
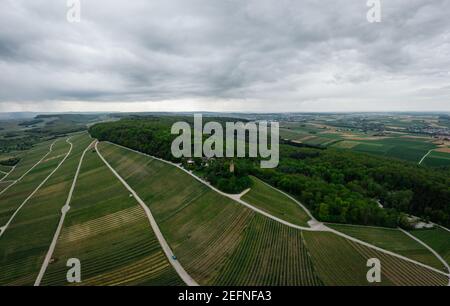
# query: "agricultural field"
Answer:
x=437 y=159
x=310 y=136
x=14 y=196
x=210 y=233
x=392 y=240
x=438 y=239
x=274 y=202
x=109 y=233
x=254 y=261
x=340 y=262
x=24 y=244
x=401 y=148
x=216 y=239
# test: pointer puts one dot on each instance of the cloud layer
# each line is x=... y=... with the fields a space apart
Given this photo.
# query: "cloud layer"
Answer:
x=251 y=55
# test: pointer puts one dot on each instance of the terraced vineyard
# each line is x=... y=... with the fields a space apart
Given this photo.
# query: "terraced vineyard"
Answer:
x=392 y=240
x=342 y=262
x=274 y=202
x=29 y=158
x=109 y=233
x=254 y=261
x=25 y=243
x=220 y=242
x=217 y=241
x=208 y=232
x=438 y=239
x=12 y=198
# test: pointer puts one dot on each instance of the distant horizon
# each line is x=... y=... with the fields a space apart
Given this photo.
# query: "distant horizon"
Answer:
x=229 y=112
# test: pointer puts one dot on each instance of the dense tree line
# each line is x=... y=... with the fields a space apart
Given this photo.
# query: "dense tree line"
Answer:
x=10 y=162
x=344 y=186
x=337 y=185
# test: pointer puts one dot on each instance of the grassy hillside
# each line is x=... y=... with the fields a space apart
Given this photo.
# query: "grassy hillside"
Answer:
x=219 y=241
x=12 y=198
x=109 y=232
x=392 y=240
x=208 y=232
x=438 y=239
x=25 y=243
x=340 y=262
x=274 y=202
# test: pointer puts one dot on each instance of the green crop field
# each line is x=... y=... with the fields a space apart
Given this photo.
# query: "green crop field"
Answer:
x=25 y=243
x=437 y=159
x=341 y=262
x=275 y=203
x=209 y=233
x=12 y=198
x=269 y=253
x=109 y=233
x=438 y=239
x=29 y=158
x=409 y=149
x=219 y=241
x=392 y=240
x=4 y=169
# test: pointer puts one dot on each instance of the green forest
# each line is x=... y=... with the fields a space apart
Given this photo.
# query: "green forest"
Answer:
x=336 y=185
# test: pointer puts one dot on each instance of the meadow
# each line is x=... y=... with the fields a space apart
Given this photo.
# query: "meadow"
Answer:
x=274 y=202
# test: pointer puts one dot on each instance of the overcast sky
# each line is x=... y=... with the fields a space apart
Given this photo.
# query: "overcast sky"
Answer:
x=224 y=55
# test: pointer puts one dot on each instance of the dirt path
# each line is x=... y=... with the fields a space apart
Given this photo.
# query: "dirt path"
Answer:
x=29 y=170
x=5 y=227
x=165 y=246
x=64 y=211
x=315 y=225
x=425 y=156
x=7 y=173
x=430 y=249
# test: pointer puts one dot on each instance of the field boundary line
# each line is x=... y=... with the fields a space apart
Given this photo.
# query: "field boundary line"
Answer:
x=64 y=211
x=387 y=252
x=444 y=228
x=29 y=170
x=319 y=227
x=4 y=228
x=234 y=197
x=290 y=197
x=429 y=248
x=164 y=245
x=362 y=226
x=425 y=156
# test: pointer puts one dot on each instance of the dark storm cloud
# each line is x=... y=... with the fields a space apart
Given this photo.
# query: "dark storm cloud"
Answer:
x=299 y=54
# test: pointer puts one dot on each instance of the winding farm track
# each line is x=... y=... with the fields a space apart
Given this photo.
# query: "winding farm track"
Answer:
x=165 y=246
x=29 y=170
x=64 y=211
x=7 y=173
x=315 y=225
x=5 y=227
x=425 y=156
x=429 y=248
